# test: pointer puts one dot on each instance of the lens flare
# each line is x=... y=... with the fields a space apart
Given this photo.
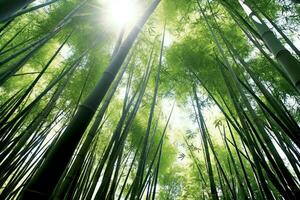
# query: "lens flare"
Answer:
x=122 y=12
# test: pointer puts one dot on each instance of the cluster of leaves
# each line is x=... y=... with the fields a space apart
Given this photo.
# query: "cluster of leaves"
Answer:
x=242 y=104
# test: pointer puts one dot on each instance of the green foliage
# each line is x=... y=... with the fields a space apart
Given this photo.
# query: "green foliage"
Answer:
x=250 y=123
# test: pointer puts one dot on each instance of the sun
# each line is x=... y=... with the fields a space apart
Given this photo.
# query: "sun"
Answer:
x=122 y=12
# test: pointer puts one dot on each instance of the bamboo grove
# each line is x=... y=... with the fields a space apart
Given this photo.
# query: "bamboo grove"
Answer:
x=90 y=111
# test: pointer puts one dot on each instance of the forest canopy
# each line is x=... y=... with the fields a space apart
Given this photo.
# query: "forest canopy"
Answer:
x=149 y=99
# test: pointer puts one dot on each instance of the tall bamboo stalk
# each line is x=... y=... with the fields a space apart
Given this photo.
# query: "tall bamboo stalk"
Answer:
x=290 y=64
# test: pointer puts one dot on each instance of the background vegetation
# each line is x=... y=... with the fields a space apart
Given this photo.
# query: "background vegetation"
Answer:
x=194 y=100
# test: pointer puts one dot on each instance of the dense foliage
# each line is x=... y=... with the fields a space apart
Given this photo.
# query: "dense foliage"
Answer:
x=192 y=100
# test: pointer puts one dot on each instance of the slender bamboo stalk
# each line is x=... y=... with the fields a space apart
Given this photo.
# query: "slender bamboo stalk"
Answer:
x=290 y=64
x=72 y=135
x=214 y=194
x=9 y=7
x=140 y=170
x=27 y=10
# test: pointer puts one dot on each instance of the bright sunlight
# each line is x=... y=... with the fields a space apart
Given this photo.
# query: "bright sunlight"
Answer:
x=122 y=12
